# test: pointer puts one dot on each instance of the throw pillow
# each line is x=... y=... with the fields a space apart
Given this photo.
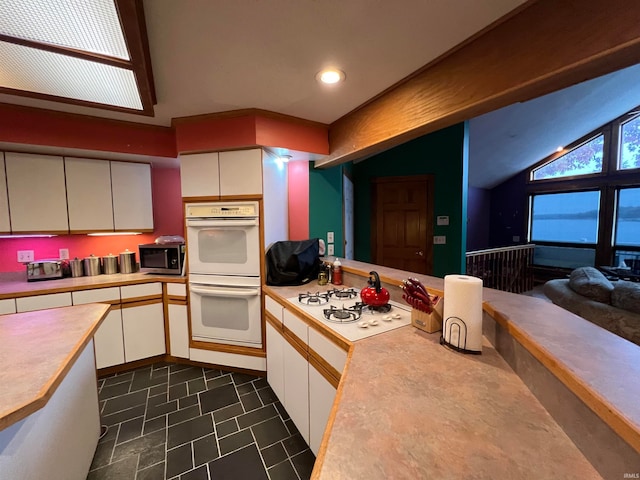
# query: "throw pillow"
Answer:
x=591 y=283
x=626 y=295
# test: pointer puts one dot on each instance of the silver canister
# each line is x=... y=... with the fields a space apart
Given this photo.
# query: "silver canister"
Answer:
x=110 y=264
x=77 y=267
x=91 y=265
x=128 y=262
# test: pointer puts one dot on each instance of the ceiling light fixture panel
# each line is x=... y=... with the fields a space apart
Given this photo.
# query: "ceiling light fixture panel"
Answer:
x=48 y=73
x=86 y=25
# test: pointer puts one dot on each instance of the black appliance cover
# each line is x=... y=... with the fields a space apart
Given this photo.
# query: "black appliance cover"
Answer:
x=293 y=262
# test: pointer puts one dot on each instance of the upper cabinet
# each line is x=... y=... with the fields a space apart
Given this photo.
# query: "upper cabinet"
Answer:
x=89 y=195
x=36 y=190
x=5 y=224
x=222 y=174
x=132 y=200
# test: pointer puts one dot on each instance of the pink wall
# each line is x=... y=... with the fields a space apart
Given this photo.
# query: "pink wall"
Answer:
x=298 y=173
x=167 y=220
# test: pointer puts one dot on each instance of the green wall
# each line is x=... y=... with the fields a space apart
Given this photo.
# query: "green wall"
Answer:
x=443 y=154
x=325 y=205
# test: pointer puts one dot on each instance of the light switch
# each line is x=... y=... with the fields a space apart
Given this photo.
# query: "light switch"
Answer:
x=330 y=249
x=329 y=237
x=439 y=239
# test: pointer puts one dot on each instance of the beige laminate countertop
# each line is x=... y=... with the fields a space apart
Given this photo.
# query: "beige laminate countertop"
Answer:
x=409 y=408
x=14 y=285
x=37 y=350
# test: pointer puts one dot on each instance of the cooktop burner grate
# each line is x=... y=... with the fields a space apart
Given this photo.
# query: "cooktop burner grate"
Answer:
x=343 y=293
x=381 y=309
x=313 y=298
x=342 y=315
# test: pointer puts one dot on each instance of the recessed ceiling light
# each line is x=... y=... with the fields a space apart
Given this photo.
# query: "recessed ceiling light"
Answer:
x=330 y=76
x=559 y=149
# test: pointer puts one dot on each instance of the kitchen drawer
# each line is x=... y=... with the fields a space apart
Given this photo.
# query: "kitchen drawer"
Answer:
x=7 y=306
x=99 y=295
x=229 y=359
x=41 y=302
x=142 y=290
x=176 y=289
x=296 y=325
x=329 y=351
x=273 y=307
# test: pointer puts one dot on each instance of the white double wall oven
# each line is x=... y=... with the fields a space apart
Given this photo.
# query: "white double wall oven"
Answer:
x=223 y=245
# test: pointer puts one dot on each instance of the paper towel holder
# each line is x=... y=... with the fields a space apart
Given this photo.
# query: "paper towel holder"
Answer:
x=456 y=322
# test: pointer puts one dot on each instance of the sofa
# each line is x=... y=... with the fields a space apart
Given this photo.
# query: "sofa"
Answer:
x=614 y=306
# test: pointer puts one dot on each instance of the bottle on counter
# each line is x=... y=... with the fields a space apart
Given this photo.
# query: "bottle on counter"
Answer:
x=336 y=277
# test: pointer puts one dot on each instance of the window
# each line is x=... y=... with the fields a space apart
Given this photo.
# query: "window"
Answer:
x=583 y=160
x=630 y=144
x=628 y=217
x=565 y=217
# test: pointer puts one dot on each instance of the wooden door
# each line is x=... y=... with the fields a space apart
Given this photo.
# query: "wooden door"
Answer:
x=402 y=223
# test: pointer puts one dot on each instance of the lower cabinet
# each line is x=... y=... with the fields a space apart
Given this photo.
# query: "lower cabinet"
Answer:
x=296 y=388
x=275 y=361
x=42 y=302
x=178 y=330
x=108 y=340
x=143 y=331
x=7 y=306
x=321 y=396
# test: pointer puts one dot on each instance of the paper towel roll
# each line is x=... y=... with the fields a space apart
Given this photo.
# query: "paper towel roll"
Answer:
x=463 y=303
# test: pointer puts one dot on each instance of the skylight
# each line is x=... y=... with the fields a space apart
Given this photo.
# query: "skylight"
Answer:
x=77 y=51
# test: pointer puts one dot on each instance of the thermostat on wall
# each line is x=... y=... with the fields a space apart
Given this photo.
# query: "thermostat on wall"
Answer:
x=443 y=220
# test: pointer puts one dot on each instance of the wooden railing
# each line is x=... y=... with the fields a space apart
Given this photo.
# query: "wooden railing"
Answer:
x=507 y=268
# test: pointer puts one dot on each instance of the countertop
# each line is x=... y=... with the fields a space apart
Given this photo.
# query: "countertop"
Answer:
x=13 y=285
x=38 y=349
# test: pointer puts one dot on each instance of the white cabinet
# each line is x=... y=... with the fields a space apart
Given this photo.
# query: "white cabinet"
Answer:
x=199 y=175
x=241 y=172
x=96 y=295
x=41 y=302
x=275 y=361
x=36 y=191
x=5 y=224
x=89 y=195
x=7 y=306
x=140 y=291
x=108 y=340
x=132 y=200
x=143 y=330
x=321 y=397
x=178 y=330
x=233 y=173
x=296 y=388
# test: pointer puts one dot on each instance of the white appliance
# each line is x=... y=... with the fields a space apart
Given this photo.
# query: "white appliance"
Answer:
x=223 y=250
x=342 y=311
x=224 y=238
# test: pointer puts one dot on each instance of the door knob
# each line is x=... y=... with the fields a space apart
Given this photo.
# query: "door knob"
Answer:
x=420 y=253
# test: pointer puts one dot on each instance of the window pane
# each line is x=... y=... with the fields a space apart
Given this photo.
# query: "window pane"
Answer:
x=565 y=217
x=584 y=160
x=630 y=148
x=628 y=218
x=565 y=257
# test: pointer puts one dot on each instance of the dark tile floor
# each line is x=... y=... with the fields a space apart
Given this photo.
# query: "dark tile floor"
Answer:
x=170 y=421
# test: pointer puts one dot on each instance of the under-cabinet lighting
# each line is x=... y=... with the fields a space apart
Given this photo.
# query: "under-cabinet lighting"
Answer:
x=110 y=234
x=28 y=236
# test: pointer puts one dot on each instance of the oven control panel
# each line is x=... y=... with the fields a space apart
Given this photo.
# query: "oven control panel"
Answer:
x=221 y=210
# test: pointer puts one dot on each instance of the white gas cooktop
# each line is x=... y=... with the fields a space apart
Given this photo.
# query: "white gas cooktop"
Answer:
x=341 y=310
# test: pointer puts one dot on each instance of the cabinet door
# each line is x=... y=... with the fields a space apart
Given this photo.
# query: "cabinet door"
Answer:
x=108 y=342
x=41 y=302
x=143 y=328
x=296 y=389
x=37 y=195
x=275 y=361
x=178 y=330
x=321 y=397
x=97 y=295
x=199 y=175
x=241 y=172
x=5 y=224
x=7 y=306
x=89 y=195
x=132 y=202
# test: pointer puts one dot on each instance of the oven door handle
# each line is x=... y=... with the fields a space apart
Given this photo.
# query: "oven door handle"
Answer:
x=226 y=292
x=249 y=222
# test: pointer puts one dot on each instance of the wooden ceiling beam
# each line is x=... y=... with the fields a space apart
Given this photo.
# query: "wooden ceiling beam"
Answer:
x=547 y=46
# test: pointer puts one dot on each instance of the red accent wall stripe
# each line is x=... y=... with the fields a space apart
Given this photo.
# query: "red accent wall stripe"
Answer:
x=298 y=173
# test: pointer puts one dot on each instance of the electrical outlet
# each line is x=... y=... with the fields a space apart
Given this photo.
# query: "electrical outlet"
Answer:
x=439 y=240
x=330 y=249
x=64 y=253
x=329 y=237
x=25 y=256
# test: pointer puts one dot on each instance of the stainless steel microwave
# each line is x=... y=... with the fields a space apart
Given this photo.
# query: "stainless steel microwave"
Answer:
x=167 y=258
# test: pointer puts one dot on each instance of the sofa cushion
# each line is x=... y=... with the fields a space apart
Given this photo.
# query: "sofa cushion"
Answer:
x=626 y=295
x=591 y=283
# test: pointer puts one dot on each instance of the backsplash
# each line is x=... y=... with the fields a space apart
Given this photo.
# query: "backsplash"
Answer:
x=167 y=220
